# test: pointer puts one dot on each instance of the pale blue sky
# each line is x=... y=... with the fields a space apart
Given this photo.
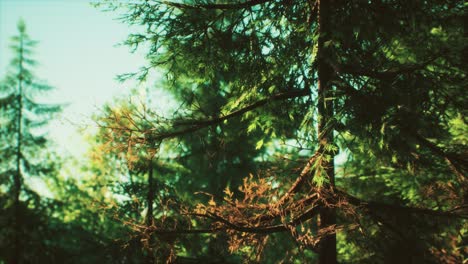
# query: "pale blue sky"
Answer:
x=77 y=54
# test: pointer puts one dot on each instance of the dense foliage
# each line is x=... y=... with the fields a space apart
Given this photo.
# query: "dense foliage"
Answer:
x=278 y=88
x=296 y=132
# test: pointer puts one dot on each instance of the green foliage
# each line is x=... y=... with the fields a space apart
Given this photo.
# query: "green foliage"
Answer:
x=23 y=114
x=398 y=117
x=273 y=99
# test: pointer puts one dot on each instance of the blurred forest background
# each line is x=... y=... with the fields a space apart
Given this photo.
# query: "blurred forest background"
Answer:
x=254 y=131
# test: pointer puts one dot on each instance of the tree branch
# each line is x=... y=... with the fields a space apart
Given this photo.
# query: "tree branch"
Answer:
x=299 y=181
x=199 y=124
x=387 y=74
x=379 y=206
x=222 y=6
x=272 y=228
x=451 y=158
x=184 y=231
x=334 y=199
x=267 y=229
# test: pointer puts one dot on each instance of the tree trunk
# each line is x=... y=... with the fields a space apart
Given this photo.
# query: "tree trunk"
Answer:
x=327 y=247
x=150 y=197
x=17 y=177
x=149 y=214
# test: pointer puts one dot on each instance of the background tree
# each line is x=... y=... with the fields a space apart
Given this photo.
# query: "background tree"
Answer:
x=24 y=146
x=316 y=74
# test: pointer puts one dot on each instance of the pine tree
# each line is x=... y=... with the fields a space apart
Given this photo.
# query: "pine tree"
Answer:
x=24 y=142
x=332 y=76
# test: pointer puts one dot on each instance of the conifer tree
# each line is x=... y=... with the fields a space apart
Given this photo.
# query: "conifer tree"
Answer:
x=24 y=143
x=347 y=77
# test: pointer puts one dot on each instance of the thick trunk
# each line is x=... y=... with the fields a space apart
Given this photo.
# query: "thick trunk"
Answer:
x=17 y=177
x=327 y=247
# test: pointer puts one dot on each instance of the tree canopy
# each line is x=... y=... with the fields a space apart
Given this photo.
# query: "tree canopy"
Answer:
x=292 y=132
x=380 y=83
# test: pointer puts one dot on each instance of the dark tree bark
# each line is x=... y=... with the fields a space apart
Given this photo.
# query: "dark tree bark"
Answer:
x=150 y=197
x=327 y=217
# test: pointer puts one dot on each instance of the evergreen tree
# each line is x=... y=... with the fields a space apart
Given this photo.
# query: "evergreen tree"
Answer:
x=24 y=144
x=331 y=76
